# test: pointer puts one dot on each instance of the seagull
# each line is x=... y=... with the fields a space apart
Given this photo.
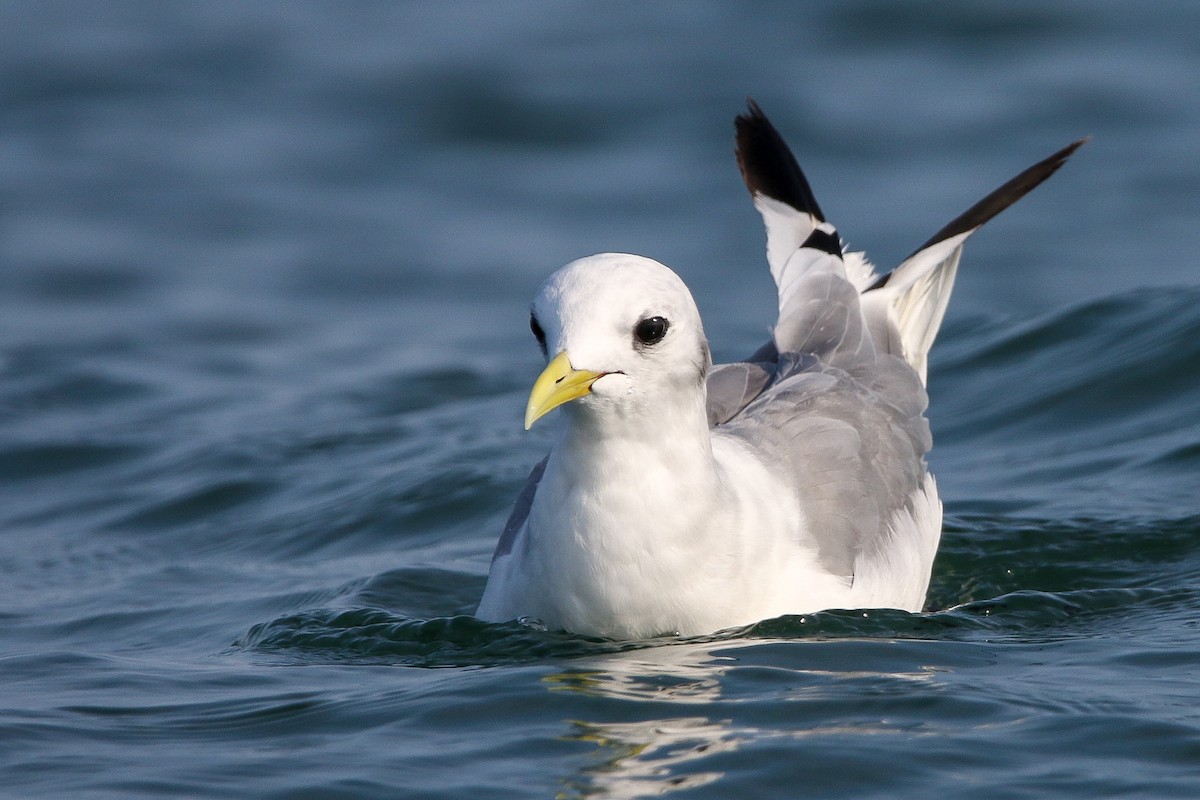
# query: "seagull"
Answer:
x=683 y=498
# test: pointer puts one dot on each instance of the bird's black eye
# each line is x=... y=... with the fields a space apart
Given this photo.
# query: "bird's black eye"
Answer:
x=651 y=330
x=538 y=333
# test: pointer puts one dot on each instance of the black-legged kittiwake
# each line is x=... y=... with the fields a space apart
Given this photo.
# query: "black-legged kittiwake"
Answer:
x=684 y=498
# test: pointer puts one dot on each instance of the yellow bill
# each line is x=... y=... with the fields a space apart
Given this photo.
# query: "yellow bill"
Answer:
x=559 y=383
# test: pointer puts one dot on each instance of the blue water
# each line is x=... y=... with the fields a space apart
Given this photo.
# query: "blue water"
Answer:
x=264 y=274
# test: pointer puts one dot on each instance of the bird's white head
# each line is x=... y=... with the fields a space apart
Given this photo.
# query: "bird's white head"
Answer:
x=622 y=336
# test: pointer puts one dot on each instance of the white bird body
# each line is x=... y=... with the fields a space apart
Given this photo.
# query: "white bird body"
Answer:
x=651 y=552
x=682 y=498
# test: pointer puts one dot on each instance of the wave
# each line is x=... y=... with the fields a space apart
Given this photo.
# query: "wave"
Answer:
x=1116 y=361
x=1093 y=409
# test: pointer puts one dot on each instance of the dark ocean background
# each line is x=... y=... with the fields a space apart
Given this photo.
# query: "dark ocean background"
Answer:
x=264 y=275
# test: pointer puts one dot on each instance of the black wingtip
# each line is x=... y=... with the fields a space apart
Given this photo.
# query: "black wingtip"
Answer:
x=767 y=164
x=1005 y=196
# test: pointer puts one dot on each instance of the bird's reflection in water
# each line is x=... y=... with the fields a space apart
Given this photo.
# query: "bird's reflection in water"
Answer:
x=689 y=673
x=652 y=756
x=676 y=714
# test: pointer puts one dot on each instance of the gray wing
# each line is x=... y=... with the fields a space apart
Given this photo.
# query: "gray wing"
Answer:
x=520 y=512
x=847 y=430
x=841 y=418
x=842 y=414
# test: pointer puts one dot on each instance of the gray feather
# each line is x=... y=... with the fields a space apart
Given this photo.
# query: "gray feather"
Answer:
x=516 y=519
x=842 y=419
x=731 y=387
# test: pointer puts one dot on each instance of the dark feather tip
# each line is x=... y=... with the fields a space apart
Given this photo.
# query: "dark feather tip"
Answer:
x=1005 y=196
x=767 y=164
x=825 y=242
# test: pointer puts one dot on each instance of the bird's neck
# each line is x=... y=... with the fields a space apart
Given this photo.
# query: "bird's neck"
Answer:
x=671 y=440
x=638 y=477
x=625 y=504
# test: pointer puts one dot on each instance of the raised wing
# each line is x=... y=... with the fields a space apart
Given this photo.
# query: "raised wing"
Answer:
x=840 y=405
x=818 y=308
x=905 y=307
